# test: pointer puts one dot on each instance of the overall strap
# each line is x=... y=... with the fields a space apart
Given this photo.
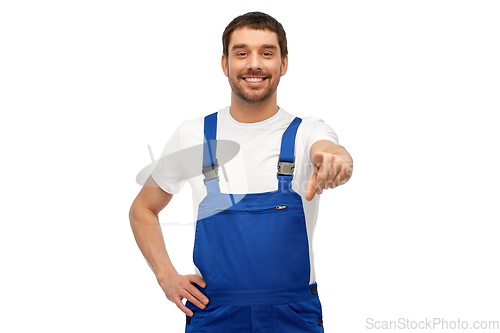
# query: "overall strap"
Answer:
x=210 y=165
x=286 y=163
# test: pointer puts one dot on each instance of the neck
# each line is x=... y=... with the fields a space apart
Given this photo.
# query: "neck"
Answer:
x=251 y=113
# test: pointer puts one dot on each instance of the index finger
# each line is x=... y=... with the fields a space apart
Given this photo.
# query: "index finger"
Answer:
x=311 y=187
x=182 y=307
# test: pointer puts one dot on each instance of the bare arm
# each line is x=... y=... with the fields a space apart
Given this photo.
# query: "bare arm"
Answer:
x=332 y=166
x=148 y=235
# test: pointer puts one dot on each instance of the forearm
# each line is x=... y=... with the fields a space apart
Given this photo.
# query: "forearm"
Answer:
x=149 y=238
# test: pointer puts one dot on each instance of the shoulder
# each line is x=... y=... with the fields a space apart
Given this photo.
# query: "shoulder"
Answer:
x=311 y=122
x=313 y=129
x=188 y=133
x=313 y=125
x=307 y=123
x=194 y=126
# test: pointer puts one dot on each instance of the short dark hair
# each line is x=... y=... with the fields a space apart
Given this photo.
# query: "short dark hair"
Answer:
x=257 y=21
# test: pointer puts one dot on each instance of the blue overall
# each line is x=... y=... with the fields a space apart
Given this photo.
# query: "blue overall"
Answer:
x=252 y=251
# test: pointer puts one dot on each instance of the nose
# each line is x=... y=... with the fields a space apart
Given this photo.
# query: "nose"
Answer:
x=254 y=61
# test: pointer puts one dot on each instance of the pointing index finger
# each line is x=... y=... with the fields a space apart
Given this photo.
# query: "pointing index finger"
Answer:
x=311 y=187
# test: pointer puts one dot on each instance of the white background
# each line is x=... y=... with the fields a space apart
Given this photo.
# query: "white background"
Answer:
x=411 y=88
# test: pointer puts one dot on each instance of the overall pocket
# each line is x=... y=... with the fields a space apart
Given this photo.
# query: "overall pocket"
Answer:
x=207 y=320
x=305 y=316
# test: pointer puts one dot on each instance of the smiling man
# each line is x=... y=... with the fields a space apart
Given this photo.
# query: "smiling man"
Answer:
x=254 y=227
x=255 y=68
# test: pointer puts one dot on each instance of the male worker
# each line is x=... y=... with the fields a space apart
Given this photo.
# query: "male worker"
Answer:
x=254 y=227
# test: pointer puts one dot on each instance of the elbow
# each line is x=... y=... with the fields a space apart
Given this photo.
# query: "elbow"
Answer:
x=135 y=213
x=132 y=215
x=140 y=214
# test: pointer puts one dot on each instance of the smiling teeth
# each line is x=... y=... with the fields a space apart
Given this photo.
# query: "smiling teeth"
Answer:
x=254 y=79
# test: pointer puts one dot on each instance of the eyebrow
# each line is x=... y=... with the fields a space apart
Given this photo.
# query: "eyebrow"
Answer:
x=265 y=46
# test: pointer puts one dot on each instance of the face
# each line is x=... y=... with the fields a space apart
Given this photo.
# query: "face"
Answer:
x=254 y=65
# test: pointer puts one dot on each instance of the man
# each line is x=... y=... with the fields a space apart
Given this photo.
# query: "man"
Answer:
x=253 y=244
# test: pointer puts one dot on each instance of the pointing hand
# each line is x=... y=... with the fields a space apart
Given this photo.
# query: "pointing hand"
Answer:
x=329 y=171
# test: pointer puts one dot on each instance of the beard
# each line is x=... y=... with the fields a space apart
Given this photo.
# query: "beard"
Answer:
x=253 y=95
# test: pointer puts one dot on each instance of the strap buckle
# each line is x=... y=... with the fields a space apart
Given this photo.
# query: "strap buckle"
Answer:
x=211 y=172
x=285 y=169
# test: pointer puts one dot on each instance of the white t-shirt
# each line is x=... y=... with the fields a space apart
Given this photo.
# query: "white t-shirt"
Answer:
x=253 y=169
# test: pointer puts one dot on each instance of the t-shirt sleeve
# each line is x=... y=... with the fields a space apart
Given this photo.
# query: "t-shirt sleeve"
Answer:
x=168 y=173
x=316 y=130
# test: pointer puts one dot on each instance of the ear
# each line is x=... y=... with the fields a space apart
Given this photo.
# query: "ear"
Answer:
x=284 y=65
x=225 y=65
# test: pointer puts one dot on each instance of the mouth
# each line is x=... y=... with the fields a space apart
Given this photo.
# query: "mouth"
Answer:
x=254 y=80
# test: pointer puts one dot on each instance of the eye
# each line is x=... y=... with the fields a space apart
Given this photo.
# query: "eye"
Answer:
x=267 y=54
x=241 y=54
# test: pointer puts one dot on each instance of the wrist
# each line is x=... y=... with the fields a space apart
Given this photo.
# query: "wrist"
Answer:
x=166 y=275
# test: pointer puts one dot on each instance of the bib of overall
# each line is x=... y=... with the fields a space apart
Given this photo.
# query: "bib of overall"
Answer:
x=252 y=251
